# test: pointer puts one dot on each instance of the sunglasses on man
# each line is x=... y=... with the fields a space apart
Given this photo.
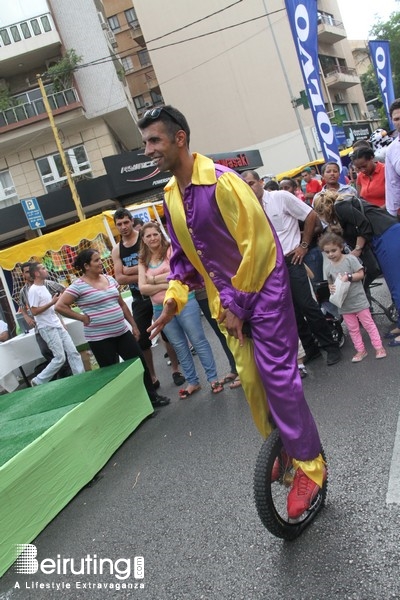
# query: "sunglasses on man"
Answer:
x=154 y=113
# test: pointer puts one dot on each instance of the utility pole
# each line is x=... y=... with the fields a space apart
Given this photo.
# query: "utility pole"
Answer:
x=292 y=96
x=70 y=180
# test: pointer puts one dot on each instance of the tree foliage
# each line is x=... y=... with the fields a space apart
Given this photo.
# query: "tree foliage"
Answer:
x=61 y=72
x=370 y=86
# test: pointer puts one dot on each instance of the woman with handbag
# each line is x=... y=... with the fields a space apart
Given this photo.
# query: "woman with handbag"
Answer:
x=372 y=234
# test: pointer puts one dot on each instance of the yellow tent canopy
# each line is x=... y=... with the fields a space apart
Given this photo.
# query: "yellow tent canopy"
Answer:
x=294 y=172
x=68 y=236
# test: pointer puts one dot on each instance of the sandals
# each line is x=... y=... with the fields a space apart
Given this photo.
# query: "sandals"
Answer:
x=236 y=383
x=229 y=378
x=178 y=378
x=186 y=393
x=217 y=387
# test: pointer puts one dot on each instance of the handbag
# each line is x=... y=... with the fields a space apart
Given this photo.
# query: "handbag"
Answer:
x=367 y=257
x=341 y=291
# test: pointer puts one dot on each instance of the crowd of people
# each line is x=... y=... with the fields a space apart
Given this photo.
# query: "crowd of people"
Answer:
x=246 y=255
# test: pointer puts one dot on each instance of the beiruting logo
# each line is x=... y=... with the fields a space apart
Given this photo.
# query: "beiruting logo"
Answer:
x=27 y=563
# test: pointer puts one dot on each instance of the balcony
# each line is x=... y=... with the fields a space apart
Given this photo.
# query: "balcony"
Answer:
x=330 y=31
x=342 y=78
x=30 y=42
x=34 y=106
x=136 y=33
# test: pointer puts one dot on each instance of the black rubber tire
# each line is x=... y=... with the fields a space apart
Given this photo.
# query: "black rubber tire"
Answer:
x=337 y=332
x=392 y=313
x=270 y=498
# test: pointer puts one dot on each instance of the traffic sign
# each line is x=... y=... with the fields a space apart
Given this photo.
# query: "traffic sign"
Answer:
x=33 y=213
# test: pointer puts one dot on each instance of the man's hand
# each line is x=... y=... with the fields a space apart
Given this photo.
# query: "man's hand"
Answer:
x=85 y=319
x=136 y=333
x=166 y=316
x=29 y=320
x=298 y=255
x=233 y=325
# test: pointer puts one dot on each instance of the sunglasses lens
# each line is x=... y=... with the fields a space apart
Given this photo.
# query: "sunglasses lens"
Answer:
x=153 y=113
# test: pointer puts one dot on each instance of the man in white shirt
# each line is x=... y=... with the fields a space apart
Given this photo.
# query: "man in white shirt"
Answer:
x=50 y=327
x=53 y=287
x=392 y=164
x=285 y=211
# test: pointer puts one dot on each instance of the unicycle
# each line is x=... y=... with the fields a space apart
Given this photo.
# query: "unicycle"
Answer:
x=271 y=497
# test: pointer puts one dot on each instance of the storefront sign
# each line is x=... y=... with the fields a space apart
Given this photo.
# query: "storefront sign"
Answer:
x=239 y=161
x=133 y=172
x=354 y=133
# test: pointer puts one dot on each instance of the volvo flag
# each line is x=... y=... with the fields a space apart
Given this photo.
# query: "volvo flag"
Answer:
x=380 y=54
x=303 y=23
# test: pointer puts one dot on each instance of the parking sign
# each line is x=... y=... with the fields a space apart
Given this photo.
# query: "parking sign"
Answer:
x=33 y=213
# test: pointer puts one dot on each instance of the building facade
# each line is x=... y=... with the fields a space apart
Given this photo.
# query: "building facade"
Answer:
x=94 y=114
x=122 y=20
x=232 y=69
x=236 y=77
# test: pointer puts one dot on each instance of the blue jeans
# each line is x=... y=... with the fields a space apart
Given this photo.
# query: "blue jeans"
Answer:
x=314 y=260
x=188 y=325
x=60 y=343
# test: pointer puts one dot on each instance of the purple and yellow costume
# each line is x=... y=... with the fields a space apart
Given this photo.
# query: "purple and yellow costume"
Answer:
x=220 y=233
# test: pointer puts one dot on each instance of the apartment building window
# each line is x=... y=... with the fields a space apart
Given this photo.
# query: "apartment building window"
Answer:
x=5 y=38
x=342 y=110
x=144 y=58
x=139 y=102
x=35 y=26
x=326 y=18
x=45 y=23
x=156 y=98
x=114 y=23
x=8 y=195
x=25 y=30
x=127 y=64
x=356 y=111
x=52 y=171
x=332 y=64
x=15 y=33
x=131 y=18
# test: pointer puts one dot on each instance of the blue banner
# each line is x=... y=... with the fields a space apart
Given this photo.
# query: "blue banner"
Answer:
x=303 y=23
x=380 y=55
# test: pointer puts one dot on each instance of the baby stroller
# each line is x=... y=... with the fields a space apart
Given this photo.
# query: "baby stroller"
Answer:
x=334 y=320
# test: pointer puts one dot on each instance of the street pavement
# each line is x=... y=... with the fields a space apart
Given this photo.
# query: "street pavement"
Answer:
x=179 y=493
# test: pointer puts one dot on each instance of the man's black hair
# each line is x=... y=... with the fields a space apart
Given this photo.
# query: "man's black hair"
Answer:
x=394 y=106
x=121 y=213
x=172 y=118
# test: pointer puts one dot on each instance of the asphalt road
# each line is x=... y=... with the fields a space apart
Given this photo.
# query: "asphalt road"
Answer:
x=179 y=493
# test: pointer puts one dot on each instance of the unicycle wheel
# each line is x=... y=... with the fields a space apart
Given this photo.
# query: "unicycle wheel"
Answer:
x=271 y=496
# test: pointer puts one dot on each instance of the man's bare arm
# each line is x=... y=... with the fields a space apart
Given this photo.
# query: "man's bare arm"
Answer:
x=124 y=275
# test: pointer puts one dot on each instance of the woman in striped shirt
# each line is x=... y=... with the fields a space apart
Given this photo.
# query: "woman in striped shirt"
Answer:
x=104 y=315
